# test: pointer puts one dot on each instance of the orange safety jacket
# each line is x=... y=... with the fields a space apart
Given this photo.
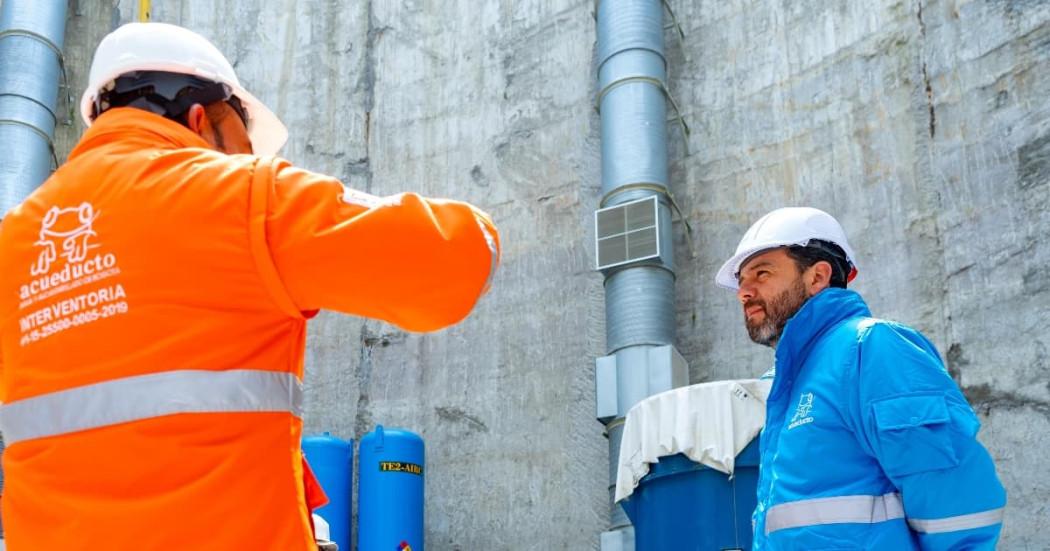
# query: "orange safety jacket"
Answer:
x=154 y=295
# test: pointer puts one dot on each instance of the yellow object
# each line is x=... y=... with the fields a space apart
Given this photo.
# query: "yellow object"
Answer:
x=144 y=11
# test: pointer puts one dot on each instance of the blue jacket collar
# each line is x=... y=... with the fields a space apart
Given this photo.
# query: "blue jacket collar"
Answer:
x=820 y=313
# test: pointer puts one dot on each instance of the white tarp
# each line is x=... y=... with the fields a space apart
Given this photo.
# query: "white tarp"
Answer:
x=710 y=423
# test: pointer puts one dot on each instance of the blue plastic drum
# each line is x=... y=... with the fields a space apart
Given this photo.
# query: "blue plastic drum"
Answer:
x=681 y=504
x=390 y=491
x=332 y=461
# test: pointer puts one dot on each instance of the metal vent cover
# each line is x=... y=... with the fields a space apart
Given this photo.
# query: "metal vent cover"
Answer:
x=627 y=232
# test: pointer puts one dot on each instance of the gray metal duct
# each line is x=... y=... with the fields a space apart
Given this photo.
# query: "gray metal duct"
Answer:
x=31 y=36
x=639 y=292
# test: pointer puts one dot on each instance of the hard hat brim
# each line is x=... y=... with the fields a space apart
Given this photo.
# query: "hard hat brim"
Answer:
x=266 y=131
x=726 y=276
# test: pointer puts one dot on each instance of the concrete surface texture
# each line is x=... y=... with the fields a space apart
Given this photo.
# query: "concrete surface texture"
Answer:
x=923 y=125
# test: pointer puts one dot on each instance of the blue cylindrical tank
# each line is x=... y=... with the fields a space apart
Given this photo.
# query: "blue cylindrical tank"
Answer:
x=681 y=504
x=390 y=491
x=332 y=461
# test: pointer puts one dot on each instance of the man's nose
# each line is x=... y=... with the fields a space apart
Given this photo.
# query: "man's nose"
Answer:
x=745 y=293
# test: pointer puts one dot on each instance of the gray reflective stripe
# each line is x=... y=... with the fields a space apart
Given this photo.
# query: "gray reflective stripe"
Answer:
x=492 y=250
x=153 y=395
x=834 y=510
x=990 y=517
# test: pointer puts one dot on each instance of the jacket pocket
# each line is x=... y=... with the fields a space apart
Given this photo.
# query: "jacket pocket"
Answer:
x=913 y=433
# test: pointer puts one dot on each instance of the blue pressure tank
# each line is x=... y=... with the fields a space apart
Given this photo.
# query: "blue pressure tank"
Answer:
x=682 y=504
x=332 y=461
x=390 y=491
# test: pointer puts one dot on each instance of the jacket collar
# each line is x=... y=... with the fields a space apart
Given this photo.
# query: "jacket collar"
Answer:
x=137 y=128
x=820 y=313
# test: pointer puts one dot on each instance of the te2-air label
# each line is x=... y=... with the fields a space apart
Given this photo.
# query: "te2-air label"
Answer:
x=400 y=467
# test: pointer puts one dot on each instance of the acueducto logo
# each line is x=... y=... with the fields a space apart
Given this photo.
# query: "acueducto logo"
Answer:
x=67 y=261
x=69 y=230
x=802 y=412
x=67 y=236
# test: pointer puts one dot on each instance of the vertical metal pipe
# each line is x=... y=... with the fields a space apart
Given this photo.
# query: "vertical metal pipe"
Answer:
x=618 y=518
x=31 y=38
x=639 y=308
x=639 y=298
x=631 y=72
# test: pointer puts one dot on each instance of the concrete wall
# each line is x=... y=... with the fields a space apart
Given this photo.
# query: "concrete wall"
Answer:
x=922 y=125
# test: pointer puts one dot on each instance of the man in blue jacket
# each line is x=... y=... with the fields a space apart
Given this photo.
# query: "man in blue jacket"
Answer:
x=868 y=442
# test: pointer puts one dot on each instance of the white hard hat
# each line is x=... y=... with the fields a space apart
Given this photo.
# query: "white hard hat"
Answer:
x=781 y=228
x=169 y=48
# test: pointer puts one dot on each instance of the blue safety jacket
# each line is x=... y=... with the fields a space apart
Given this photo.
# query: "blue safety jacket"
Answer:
x=868 y=443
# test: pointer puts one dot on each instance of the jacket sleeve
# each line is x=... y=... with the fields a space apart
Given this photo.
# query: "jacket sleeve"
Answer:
x=421 y=264
x=920 y=428
x=3 y=377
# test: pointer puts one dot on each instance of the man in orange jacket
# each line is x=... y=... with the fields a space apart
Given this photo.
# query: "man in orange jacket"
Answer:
x=153 y=305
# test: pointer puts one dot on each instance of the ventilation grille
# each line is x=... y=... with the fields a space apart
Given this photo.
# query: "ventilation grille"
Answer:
x=627 y=233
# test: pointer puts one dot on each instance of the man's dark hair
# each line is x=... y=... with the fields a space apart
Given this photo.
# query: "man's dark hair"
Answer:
x=819 y=250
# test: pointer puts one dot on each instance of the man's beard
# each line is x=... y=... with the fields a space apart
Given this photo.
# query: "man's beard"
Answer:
x=777 y=313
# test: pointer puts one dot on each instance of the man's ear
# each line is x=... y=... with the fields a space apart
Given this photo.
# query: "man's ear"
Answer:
x=196 y=118
x=818 y=277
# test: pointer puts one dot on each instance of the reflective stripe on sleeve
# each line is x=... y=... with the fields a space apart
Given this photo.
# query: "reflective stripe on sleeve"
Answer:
x=493 y=263
x=834 y=510
x=153 y=395
x=982 y=519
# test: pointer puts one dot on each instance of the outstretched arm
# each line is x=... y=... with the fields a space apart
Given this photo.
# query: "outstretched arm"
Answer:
x=419 y=263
